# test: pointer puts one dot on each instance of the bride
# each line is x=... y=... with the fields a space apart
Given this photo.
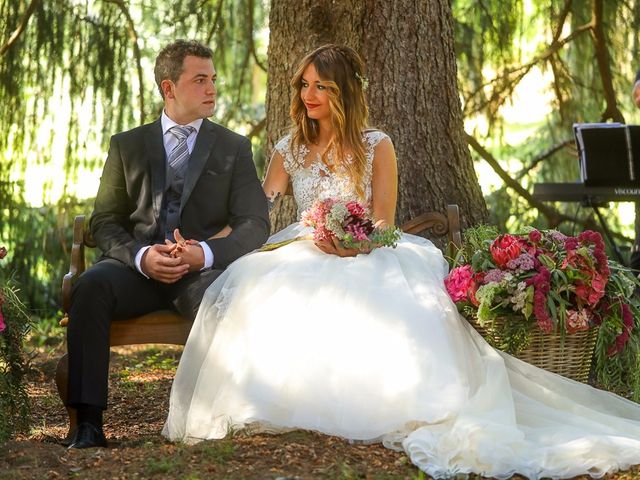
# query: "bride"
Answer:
x=367 y=345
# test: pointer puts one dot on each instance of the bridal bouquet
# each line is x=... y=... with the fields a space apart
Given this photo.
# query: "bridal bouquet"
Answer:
x=349 y=223
x=552 y=283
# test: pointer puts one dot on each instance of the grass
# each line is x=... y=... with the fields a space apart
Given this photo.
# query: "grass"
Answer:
x=163 y=465
x=218 y=451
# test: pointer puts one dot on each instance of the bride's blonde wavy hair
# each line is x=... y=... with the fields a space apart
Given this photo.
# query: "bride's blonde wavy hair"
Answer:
x=341 y=71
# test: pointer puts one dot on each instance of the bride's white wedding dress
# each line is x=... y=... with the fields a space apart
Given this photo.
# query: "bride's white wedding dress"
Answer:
x=372 y=348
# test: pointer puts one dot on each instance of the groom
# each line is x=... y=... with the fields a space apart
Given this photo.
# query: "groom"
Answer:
x=179 y=177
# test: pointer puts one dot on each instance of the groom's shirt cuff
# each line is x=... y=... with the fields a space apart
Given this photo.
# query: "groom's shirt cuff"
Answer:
x=208 y=256
x=138 y=259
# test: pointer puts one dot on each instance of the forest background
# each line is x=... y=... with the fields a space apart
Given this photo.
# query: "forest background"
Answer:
x=73 y=72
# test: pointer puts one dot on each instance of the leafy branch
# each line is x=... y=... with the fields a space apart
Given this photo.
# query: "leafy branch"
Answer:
x=133 y=35
x=21 y=27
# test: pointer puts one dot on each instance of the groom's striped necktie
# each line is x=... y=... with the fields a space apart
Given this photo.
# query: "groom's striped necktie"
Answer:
x=177 y=160
x=180 y=153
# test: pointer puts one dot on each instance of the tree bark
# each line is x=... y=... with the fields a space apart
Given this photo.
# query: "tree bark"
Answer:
x=408 y=47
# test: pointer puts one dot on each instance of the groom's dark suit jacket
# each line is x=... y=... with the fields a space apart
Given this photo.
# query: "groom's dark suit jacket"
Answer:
x=221 y=187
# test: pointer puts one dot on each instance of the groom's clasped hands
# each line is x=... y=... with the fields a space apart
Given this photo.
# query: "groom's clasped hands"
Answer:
x=168 y=263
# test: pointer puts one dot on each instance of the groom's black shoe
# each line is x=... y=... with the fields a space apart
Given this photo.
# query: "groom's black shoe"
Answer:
x=88 y=436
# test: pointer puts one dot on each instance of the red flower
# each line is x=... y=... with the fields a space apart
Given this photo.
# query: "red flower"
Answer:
x=504 y=248
x=623 y=338
x=535 y=236
x=3 y=252
x=356 y=209
x=541 y=285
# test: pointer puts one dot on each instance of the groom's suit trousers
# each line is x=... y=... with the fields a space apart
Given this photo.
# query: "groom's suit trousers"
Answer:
x=111 y=290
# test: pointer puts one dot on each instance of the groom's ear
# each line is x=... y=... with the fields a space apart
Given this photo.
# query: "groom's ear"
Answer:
x=167 y=88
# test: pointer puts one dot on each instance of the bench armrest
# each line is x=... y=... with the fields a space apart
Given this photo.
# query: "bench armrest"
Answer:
x=77 y=263
x=439 y=223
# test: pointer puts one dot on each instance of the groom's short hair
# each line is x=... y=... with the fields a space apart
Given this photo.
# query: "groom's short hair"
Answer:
x=170 y=60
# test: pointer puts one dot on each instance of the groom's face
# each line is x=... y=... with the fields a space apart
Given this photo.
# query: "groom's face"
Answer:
x=193 y=96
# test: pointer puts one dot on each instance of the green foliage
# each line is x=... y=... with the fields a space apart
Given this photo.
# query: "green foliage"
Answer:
x=163 y=465
x=506 y=51
x=157 y=359
x=218 y=451
x=96 y=61
x=15 y=410
x=47 y=332
x=39 y=241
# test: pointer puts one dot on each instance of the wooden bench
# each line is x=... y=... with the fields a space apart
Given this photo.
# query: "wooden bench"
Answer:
x=168 y=327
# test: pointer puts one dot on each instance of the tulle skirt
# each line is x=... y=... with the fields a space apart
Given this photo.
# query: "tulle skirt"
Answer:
x=371 y=348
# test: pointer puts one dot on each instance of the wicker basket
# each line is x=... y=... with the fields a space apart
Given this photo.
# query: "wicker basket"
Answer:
x=569 y=356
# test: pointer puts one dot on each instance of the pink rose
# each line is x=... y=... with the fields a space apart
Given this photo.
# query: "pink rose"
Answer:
x=460 y=284
x=504 y=248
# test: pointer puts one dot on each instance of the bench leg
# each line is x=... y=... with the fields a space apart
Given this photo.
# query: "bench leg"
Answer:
x=62 y=383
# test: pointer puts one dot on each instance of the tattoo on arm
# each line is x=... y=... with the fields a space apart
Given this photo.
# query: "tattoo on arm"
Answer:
x=272 y=199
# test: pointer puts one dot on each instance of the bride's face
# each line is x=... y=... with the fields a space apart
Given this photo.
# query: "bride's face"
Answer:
x=314 y=94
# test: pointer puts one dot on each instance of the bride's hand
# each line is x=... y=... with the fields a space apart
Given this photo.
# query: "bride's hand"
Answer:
x=334 y=247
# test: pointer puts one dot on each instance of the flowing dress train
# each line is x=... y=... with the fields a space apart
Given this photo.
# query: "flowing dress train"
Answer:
x=371 y=348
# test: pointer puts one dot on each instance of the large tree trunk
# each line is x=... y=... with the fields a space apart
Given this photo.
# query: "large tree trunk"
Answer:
x=408 y=47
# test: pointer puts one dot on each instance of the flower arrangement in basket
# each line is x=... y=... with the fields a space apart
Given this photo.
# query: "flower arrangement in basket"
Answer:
x=543 y=284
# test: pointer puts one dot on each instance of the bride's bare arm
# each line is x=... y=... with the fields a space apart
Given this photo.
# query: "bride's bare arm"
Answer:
x=384 y=184
x=276 y=181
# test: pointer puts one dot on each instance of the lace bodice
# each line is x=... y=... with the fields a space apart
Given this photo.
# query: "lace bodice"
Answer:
x=312 y=180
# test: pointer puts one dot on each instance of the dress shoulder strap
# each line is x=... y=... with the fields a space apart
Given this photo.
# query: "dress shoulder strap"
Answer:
x=291 y=161
x=372 y=137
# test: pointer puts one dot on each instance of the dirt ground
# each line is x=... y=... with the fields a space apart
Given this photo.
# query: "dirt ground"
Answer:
x=140 y=380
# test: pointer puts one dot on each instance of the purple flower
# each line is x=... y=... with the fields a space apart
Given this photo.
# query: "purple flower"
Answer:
x=556 y=236
x=494 y=275
x=523 y=262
